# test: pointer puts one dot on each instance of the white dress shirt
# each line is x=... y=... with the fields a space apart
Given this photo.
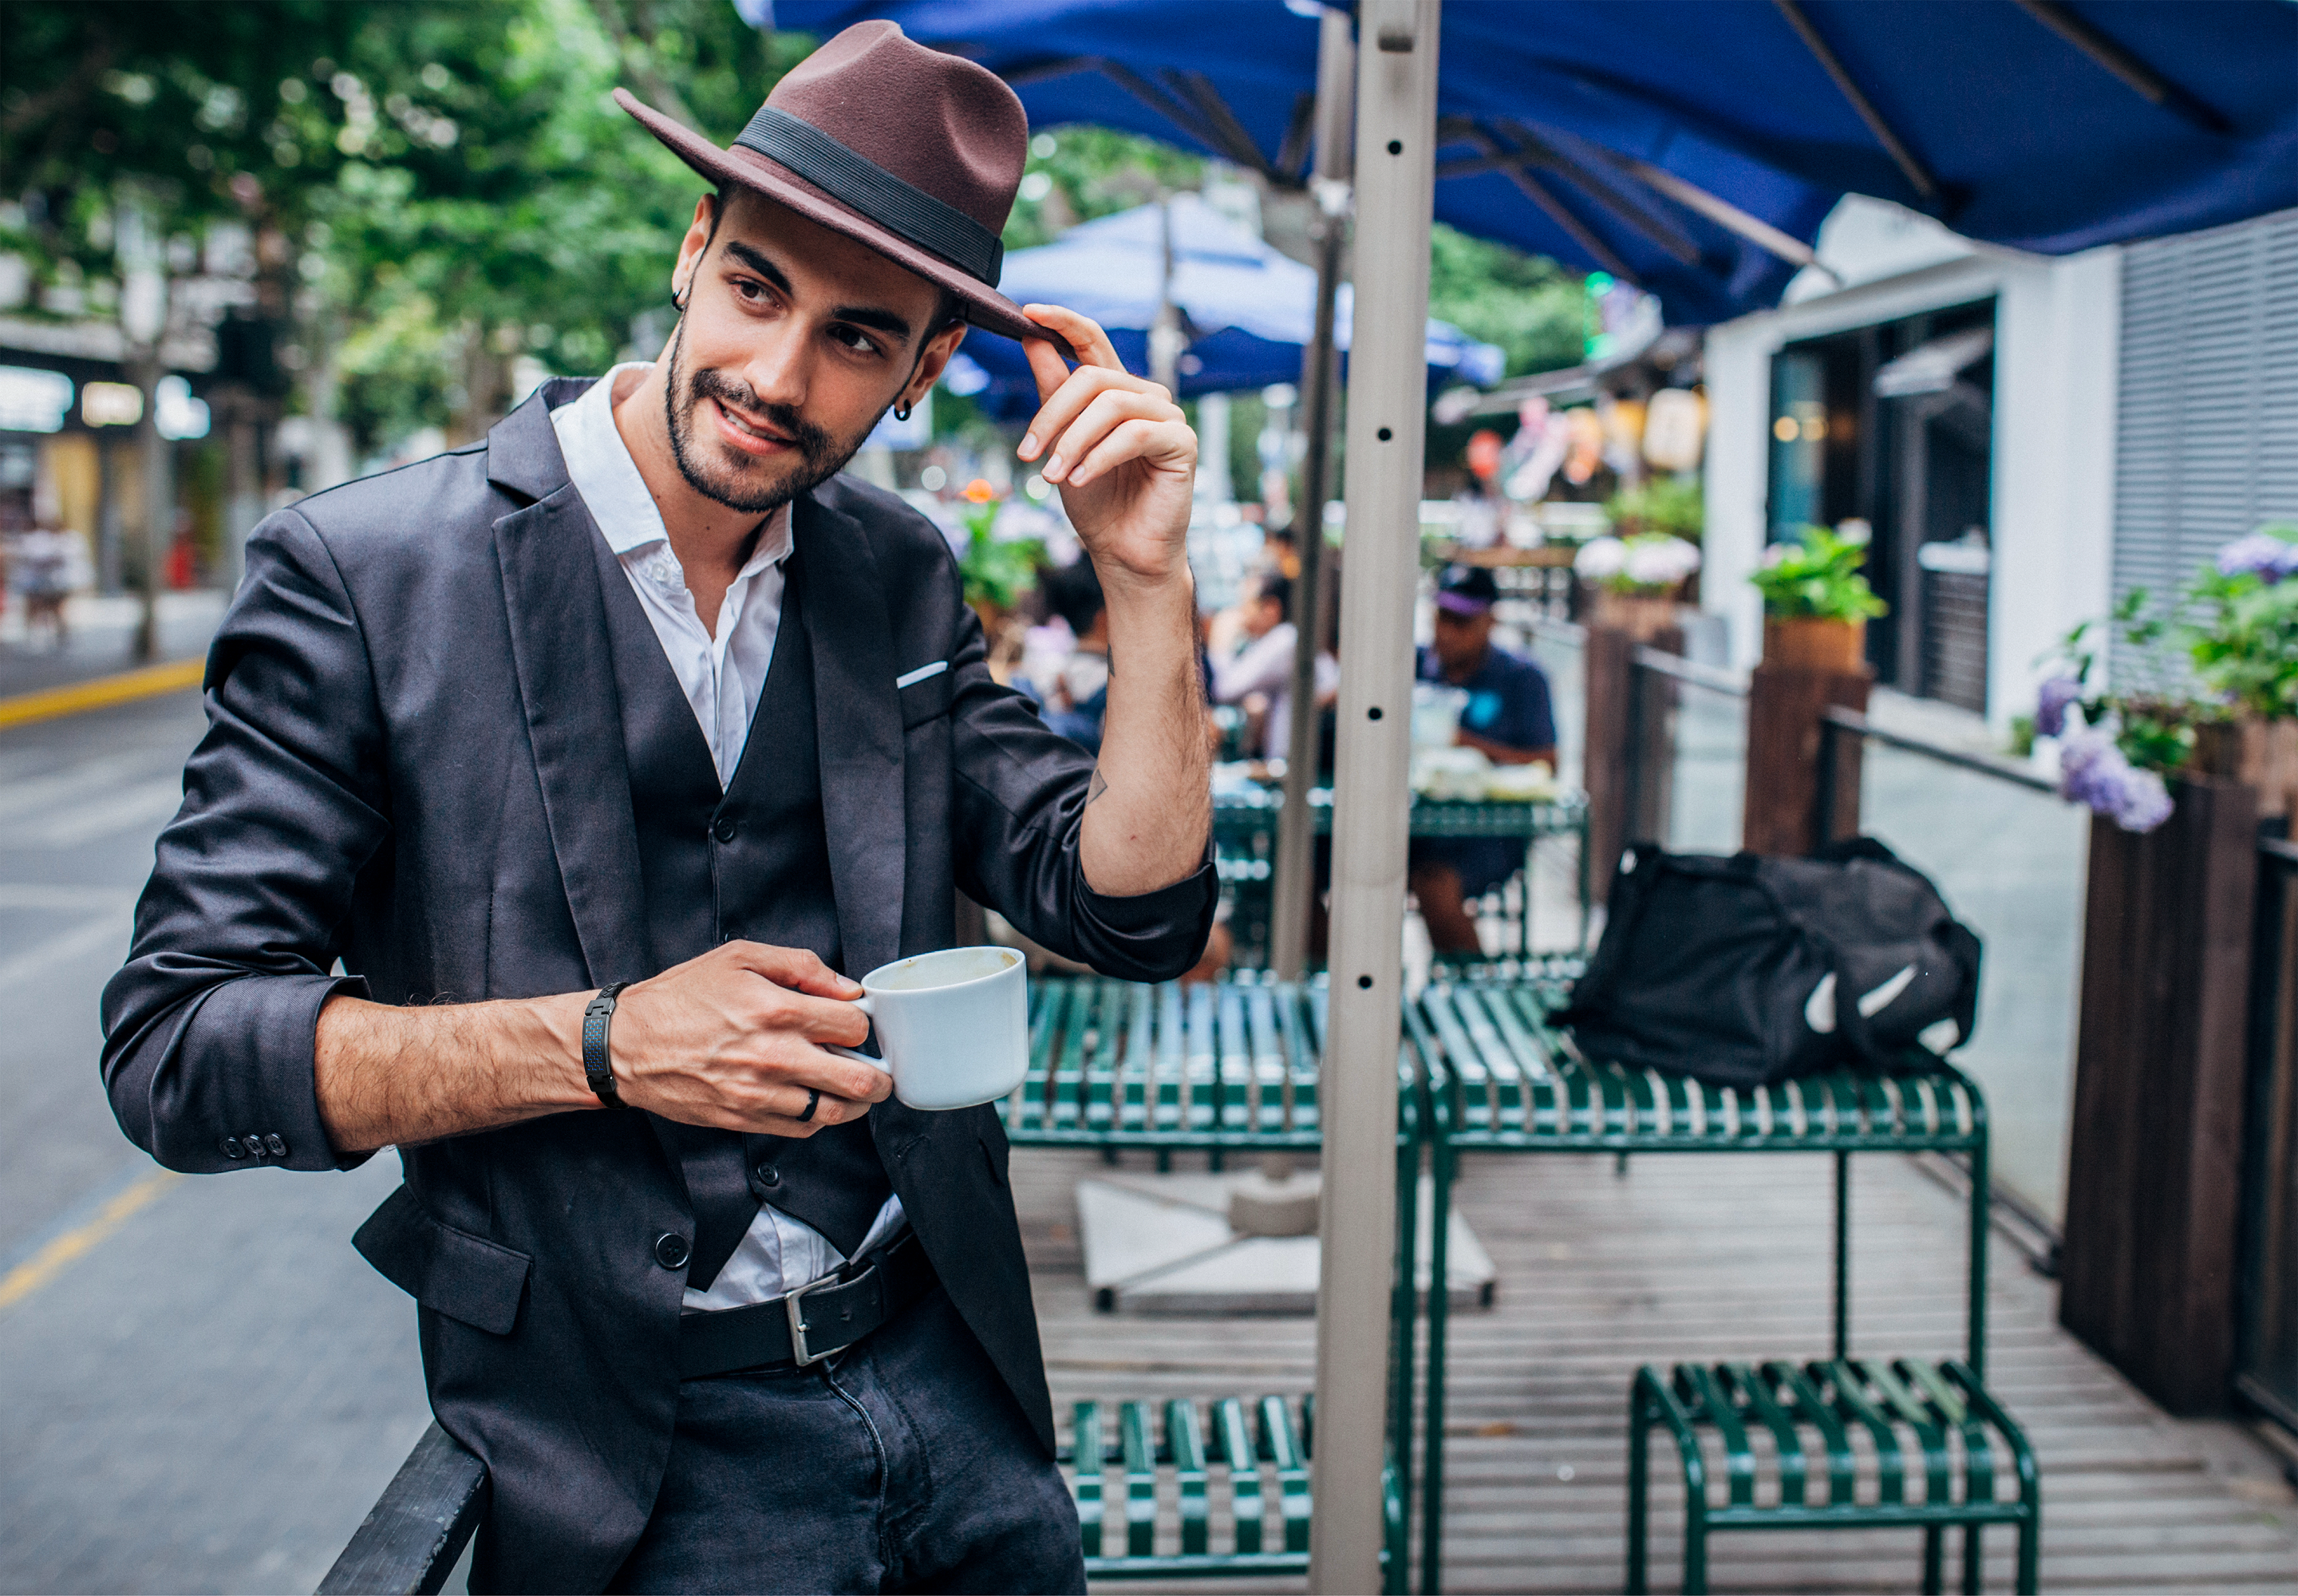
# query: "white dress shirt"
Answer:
x=721 y=672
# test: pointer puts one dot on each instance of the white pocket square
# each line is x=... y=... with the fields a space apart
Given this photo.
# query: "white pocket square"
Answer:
x=911 y=678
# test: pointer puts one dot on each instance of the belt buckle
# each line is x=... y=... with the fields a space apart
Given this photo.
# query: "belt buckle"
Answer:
x=794 y=1305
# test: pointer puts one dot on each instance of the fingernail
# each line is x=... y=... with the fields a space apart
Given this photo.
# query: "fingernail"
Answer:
x=1053 y=472
x=1028 y=445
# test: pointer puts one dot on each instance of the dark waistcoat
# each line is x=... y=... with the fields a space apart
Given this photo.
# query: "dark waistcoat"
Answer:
x=752 y=863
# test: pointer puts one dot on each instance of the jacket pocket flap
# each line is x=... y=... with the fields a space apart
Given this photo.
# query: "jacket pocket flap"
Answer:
x=462 y=1276
x=924 y=696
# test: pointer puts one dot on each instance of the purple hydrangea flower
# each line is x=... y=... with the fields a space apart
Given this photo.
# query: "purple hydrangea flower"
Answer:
x=2259 y=554
x=2051 y=705
x=2093 y=771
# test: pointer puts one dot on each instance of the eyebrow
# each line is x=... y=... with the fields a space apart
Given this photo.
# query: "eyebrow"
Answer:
x=867 y=316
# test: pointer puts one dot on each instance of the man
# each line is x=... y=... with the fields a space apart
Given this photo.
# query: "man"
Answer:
x=1263 y=666
x=635 y=692
x=1507 y=717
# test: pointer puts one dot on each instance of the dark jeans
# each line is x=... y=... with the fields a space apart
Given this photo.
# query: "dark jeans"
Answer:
x=903 y=1464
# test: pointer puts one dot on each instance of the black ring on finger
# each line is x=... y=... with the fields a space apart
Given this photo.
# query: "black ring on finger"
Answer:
x=812 y=1101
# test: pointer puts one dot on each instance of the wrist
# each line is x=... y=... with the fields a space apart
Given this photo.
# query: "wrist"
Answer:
x=556 y=1041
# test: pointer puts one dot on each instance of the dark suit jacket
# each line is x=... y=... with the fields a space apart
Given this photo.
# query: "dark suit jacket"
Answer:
x=415 y=763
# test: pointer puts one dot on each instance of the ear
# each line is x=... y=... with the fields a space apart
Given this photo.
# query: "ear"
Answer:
x=930 y=364
x=690 y=248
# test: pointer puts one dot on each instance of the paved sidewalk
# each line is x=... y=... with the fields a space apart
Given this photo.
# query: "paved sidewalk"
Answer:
x=101 y=638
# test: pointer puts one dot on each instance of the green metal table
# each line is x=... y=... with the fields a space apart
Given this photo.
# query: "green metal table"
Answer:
x=1501 y=1079
x=1225 y=1068
x=1244 y=842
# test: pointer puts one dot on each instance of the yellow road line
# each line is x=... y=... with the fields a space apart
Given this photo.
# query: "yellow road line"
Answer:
x=103 y=692
x=51 y=1260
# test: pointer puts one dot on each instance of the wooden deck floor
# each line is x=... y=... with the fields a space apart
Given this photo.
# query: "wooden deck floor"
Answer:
x=1705 y=1258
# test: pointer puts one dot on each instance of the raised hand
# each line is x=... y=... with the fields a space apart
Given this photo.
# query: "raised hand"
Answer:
x=1117 y=447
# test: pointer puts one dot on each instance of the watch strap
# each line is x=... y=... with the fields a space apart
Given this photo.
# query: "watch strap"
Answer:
x=598 y=1067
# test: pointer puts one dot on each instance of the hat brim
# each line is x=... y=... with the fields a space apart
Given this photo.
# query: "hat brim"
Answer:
x=1463 y=604
x=984 y=306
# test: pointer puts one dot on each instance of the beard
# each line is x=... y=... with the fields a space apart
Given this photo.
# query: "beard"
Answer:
x=751 y=486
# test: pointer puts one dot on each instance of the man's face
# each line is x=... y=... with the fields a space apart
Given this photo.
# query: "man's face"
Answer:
x=1262 y=615
x=1461 y=640
x=794 y=341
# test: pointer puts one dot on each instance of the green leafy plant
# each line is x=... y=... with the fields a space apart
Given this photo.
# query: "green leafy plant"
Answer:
x=1661 y=504
x=2245 y=651
x=997 y=573
x=1817 y=579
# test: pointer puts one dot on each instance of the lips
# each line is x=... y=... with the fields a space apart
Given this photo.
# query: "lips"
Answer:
x=747 y=436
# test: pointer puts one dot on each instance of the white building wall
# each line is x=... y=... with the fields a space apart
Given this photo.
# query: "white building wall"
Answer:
x=2057 y=337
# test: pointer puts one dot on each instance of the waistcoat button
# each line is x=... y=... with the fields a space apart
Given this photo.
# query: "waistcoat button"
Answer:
x=671 y=1251
x=724 y=830
x=769 y=1176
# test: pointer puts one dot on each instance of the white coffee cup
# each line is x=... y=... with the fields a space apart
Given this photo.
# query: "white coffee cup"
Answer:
x=954 y=1025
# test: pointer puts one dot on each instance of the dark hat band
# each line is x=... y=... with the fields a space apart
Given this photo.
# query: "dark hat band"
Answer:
x=898 y=206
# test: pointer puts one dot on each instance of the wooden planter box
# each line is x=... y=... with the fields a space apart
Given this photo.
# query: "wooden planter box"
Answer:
x=1809 y=667
x=1838 y=648
x=2261 y=754
x=2153 y=1170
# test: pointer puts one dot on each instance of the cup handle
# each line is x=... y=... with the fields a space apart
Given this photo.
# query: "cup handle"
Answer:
x=863 y=1004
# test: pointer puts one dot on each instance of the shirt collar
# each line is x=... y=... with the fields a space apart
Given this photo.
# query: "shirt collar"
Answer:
x=599 y=464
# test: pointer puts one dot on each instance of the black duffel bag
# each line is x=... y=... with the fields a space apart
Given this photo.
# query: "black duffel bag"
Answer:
x=1750 y=970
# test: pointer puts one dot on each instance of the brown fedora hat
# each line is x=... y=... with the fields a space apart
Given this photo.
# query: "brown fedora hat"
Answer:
x=911 y=152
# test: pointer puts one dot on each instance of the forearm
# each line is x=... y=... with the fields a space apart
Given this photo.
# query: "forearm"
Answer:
x=1146 y=824
x=388 y=1075
x=1500 y=753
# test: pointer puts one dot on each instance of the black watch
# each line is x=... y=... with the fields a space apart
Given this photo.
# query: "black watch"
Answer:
x=598 y=1068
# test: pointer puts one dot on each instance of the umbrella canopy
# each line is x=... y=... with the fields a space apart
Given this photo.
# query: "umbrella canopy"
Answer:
x=1247 y=309
x=1694 y=146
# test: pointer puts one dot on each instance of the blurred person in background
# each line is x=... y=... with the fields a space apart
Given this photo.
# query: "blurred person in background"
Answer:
x=1506 y=716
x=40 y=568
x=1258 y=675
x=1077 y=698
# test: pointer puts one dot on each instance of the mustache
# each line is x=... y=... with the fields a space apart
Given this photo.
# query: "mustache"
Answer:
x=811 y=440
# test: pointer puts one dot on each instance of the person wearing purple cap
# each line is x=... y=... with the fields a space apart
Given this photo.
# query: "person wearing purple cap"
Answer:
x=1508 y=718
x=554 y=791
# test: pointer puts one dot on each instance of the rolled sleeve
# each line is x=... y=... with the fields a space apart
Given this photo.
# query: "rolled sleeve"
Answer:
x=209 y=1027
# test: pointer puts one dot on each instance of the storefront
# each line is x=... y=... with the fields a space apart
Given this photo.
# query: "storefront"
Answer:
x=1958 y=400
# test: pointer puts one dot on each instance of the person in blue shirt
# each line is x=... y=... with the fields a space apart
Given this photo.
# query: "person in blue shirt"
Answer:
x=1509 y=718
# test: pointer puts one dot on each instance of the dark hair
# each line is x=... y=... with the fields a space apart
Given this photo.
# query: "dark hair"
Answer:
x=1277 y=585
x=1073 y=592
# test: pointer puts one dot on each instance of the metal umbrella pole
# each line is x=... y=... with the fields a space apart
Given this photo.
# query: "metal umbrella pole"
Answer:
x=1395 y=177
x=1294 y=889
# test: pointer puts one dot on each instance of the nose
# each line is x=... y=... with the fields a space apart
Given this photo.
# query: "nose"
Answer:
x=779 y=366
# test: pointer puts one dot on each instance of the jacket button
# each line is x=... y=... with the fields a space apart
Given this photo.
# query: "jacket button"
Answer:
x=724 y=830
x=769 y=1176
x=232 y=1149
x=671 y=1251
x=255 y=1143
x=277 y=1144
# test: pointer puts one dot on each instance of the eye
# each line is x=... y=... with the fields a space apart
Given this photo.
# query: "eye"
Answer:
x=854 y=338
x=750 y=290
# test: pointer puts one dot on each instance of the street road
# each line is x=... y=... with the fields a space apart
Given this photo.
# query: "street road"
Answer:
x=201 y=1386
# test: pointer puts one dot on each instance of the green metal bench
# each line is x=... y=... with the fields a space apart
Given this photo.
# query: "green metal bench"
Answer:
x=1962 y=1440
x=1229 y=1468
x=1224 y=1068
x=1502 y=1078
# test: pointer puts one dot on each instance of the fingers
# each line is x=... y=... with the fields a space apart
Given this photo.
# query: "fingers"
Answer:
x=1066 y=410
x=1106 y=411
x=1084 y=335
x=796 y=968
x=1159 y=442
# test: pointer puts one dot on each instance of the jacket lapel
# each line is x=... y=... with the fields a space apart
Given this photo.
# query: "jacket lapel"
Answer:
x=858 y=721
x=567 y=685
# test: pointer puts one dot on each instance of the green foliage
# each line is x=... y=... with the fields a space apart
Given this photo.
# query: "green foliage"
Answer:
x=1669 y=504
x=997 y=573
x=1527 y=304
x=1817 y=579
x=2154 y=716
x=1091 y=172
x=2247 y=652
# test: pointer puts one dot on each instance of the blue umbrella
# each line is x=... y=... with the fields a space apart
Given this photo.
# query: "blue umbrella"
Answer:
x=1248 y=310
x=1694 y=146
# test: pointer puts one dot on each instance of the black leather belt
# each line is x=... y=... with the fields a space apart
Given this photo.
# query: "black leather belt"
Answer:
x=811 y=1323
